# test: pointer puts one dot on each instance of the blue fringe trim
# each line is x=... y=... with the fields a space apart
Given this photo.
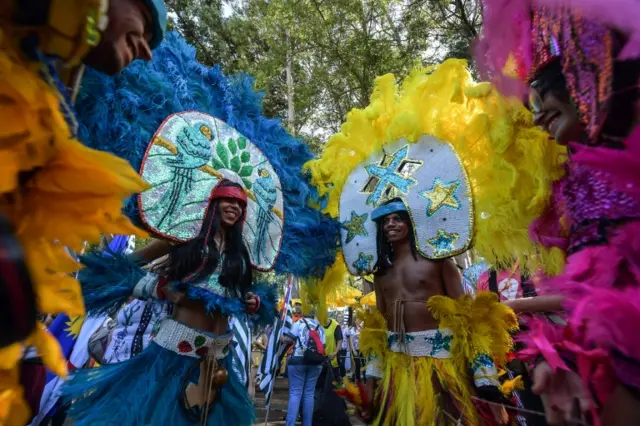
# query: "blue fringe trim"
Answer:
x=229 y=306
x=134 y=103
x=268 y=304
x=107 y=282
x=146 y=390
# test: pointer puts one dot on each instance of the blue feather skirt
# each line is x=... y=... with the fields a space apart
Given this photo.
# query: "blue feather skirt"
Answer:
x=147 y=390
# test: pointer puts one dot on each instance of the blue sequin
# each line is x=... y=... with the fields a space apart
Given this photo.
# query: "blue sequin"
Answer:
x=395 y=338
x=389 y=176
x=363 y=263
x=439 y=342
x=483 y=361
x=443 y=243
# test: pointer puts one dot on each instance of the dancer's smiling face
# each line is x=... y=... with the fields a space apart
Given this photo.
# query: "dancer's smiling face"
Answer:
x=558 y=118
x=230 y=211
x=126 y=38
x=395 y=228
x=551 y=105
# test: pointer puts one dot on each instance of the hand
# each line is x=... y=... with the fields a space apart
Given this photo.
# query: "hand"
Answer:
x=364 y=414
x=251 y=302
x=560 y=392
x=500 y=414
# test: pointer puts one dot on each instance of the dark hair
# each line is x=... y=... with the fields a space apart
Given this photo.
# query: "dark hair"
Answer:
x=187 y=258
x=384 y=248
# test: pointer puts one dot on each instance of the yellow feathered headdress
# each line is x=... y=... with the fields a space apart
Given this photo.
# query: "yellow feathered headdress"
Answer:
x=508 y=161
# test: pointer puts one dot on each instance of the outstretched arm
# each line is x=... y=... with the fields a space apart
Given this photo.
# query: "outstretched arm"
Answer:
x=452 y=279
x=543 y=303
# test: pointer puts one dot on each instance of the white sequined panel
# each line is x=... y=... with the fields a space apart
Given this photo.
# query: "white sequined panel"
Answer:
x=430 y=180
x=430 y=343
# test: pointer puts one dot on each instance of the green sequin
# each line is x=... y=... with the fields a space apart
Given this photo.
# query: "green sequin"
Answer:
x=200 y=340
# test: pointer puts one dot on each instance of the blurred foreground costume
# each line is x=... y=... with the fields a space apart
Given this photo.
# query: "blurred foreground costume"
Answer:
x=56 y=193
x=592 y=52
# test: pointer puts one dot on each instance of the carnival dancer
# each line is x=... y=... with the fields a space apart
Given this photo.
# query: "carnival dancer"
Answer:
x=409 y=296
x=582 y=67
x=452 y=151
x=184 y=376
x=56 y=192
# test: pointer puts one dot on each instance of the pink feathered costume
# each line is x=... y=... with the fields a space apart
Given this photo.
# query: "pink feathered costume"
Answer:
x=595 y=211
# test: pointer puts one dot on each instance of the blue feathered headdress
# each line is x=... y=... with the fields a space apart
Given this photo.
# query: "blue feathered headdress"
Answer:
x=120 y=115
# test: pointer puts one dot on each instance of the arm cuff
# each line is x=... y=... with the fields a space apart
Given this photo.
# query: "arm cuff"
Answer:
x=147 y=287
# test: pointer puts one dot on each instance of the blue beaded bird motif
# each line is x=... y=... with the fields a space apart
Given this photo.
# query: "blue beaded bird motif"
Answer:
x=193 y=143
x=266 y=195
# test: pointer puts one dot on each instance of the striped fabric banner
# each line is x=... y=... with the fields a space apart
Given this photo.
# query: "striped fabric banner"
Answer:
x=275 y=350
x=241 y=353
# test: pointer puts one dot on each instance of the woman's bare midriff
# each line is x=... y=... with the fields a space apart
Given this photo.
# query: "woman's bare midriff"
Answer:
x=194 y=315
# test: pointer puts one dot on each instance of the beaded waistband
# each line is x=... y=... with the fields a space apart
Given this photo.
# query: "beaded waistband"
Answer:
x=431 y=343
x=190 y=342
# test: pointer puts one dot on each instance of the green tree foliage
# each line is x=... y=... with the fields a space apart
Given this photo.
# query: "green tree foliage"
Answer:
x=317 y=59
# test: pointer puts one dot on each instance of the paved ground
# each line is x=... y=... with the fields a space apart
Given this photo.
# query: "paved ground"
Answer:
x=278 y=410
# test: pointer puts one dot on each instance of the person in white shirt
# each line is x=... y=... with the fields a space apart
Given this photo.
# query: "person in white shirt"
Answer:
x=302 y=375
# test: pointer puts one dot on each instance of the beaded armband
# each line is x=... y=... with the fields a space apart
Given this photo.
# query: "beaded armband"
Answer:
x=150 y=286
x=484 y=371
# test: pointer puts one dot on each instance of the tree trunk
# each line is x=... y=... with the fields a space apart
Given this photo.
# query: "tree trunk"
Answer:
x=291 y=108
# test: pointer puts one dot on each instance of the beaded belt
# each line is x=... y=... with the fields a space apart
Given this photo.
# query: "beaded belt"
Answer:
x=431 y=343
x=190 y=342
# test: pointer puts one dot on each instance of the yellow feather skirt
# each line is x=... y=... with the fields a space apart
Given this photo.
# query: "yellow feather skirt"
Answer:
x=56 y=193
x=420 y=391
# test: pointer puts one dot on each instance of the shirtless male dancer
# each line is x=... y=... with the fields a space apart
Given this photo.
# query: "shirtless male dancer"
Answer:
x=404 y=283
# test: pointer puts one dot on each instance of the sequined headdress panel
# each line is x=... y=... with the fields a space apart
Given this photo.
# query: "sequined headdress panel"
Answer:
x=586 y=52
x=432 y=186
x=188 y=157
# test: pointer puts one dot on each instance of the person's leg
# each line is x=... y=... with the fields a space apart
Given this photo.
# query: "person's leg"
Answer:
x=296 y=388
x=337 y=377
x=312 y=374
x=357 y=361
x=342 y=359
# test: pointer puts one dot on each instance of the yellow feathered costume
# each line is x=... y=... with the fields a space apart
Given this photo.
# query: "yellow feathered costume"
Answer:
x=412 y=390
x=510 y=164
x=56 y=192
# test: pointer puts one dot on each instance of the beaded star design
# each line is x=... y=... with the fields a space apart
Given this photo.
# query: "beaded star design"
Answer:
x=363 y=263
x=396 y=338
x=442 y=243
x=355 y=226
x=439 y=343
x=391 y=175
x=441 y=195
x=483 y=362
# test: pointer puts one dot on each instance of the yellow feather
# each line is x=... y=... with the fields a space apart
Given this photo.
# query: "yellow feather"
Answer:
x=509 y=161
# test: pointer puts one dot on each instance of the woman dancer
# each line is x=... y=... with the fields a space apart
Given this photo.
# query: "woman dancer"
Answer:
x=183 y=377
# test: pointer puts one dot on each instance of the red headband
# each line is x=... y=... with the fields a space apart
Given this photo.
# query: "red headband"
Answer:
x=229 y=192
